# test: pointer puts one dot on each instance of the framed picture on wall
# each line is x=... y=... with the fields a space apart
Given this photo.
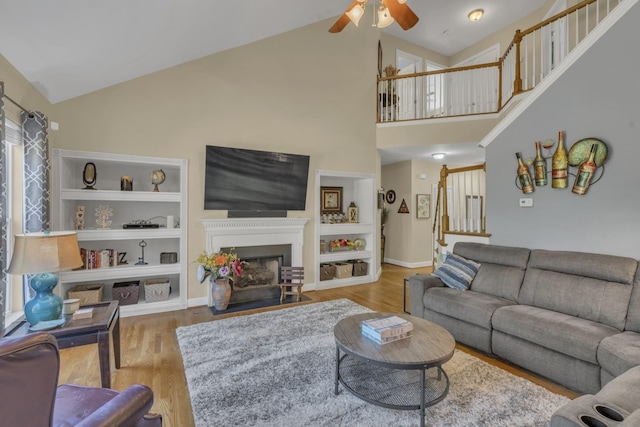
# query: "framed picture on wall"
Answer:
x=423 y=205
x=330 y=200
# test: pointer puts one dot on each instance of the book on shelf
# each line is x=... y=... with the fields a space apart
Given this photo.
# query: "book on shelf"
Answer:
x=102 y=258
x=83 y=313
x=387 y=328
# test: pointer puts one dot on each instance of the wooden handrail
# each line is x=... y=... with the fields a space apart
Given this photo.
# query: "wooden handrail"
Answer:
x=445 y=71
x=557 y=16
x=519 y=36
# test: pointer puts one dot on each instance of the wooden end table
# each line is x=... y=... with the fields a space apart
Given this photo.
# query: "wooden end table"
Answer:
x=406 y=374
x=103 y=326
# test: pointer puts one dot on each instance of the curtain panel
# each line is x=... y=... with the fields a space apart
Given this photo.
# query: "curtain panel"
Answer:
x=4 y=239
x=37 y=171
x=36 y=175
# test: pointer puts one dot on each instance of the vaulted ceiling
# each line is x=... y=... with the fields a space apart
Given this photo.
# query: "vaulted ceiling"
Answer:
x=68 y=48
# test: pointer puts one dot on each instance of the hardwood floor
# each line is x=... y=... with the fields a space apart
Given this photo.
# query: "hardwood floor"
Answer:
x=150 y=353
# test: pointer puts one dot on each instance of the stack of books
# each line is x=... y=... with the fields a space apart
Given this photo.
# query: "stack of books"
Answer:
x=386 y=329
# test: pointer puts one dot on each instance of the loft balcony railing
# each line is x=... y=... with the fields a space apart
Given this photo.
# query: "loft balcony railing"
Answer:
x=487 y=88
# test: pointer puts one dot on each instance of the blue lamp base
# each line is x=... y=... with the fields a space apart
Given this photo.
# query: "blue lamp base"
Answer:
x=45 y=305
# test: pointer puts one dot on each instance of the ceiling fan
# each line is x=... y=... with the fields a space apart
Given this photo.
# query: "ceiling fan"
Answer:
x=388 y=11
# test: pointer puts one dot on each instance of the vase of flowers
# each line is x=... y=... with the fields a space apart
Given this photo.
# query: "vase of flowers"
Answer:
x=219 y=267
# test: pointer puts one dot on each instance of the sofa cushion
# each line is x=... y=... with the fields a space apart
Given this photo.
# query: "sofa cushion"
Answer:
x=620 y=352
x=575 y=337
x=589 y=286
x=502 y=268
x=457 y=272
x=471 y=307
x=633 y=315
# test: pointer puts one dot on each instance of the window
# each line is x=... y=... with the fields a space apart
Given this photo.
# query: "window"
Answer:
x=13 y=140
x=434 y=92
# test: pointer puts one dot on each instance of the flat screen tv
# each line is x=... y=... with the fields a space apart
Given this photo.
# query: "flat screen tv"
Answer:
x=254 y=182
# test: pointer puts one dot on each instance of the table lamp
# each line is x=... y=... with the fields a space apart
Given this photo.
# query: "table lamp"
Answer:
x=44 y=254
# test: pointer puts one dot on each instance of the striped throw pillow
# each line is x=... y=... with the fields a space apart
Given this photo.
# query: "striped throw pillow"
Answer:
x=457 y=272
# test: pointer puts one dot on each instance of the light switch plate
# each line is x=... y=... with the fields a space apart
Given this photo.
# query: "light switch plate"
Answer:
x=526 y=203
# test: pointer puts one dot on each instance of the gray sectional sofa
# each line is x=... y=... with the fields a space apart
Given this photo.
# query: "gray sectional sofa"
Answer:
x=571 y=317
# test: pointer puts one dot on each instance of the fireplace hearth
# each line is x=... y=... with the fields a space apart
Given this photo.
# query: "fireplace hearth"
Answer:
x=266 y=244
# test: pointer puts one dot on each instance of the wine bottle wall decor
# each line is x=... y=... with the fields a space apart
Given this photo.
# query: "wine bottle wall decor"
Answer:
x=586 y=155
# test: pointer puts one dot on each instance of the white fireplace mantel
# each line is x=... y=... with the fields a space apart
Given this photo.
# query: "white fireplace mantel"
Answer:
x=240 y=232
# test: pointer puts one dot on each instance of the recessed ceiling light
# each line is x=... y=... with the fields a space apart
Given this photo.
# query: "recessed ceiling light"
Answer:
x=475 y=15
x=438 y=156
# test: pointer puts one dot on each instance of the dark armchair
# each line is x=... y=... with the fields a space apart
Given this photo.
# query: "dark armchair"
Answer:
x=30 y=395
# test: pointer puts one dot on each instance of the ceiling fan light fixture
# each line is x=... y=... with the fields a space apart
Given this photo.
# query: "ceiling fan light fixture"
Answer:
x=356 y=13
x=475 y=15
x=384 y=17
x=438 y=156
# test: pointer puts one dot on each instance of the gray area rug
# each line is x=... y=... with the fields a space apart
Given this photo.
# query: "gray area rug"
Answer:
x=277 y=369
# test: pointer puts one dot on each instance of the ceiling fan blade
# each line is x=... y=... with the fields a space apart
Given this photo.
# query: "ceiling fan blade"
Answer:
x=343 y=20
x=402 y=13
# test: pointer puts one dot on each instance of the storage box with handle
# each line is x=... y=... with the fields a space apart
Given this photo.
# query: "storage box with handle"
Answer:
x=157 y=289
x=360 y=268
x=87 y=294
x=326 y=271
x=126 y=292
x=343 y=270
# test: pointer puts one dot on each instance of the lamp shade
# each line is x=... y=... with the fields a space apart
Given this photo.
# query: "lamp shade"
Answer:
x=46 y=252
x=356 y=13
x=384 y=17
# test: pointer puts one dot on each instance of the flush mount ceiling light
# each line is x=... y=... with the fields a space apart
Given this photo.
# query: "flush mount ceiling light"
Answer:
x=386 y=12
x=475 y=15
x=438 y=156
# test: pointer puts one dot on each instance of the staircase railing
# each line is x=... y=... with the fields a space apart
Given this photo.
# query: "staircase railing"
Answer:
x=460 y=202
x=487 y=88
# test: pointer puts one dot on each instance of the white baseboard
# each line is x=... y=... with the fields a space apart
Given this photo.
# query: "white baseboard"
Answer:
x=196 y=302
x=408 y=264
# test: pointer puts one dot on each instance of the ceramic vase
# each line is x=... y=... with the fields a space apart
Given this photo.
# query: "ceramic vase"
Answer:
x=220 y=293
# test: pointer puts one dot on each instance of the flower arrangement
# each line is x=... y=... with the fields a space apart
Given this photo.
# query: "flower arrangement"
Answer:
x=218 y=265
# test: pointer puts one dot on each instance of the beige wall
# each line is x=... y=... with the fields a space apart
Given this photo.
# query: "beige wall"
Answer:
x=305 y=91
x=408 y=240
x=21 y=91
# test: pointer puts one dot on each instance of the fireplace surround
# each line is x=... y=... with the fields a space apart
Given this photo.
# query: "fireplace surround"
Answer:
x=258 y=233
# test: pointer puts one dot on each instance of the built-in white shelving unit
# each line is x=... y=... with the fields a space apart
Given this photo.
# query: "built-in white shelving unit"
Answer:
x=141 y=204
x=359 y=188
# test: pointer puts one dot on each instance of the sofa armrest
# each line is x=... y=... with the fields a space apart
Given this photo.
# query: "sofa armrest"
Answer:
x=125 y=409
x=418 y=285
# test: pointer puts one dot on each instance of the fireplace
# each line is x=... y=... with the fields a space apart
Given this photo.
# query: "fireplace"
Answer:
x=266 y=243
x=261 y=272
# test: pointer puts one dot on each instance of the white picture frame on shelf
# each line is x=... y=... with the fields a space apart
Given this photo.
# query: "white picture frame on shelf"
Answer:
x=423 y=205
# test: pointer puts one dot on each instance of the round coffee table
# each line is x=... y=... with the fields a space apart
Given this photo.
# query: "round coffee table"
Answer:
x=406 y=374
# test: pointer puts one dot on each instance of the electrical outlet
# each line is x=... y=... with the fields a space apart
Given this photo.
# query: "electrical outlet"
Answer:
x=526 y=203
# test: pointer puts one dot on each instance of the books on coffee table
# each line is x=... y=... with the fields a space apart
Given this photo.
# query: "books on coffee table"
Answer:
x=386 y=329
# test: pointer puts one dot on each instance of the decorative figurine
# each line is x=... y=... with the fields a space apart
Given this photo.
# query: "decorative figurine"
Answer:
x=157 y=177
x=126 y=183
x=89 y=176
x=142 y=245
x=103 y=213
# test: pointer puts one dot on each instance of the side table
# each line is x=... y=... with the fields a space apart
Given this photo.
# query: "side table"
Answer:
x=99 y=329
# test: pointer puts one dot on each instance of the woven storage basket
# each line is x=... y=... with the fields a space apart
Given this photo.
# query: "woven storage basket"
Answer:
x=326 y=271
x=87 y=294
x=126 y=292
x=343 y=270
x=156 y=289
x=360 y=268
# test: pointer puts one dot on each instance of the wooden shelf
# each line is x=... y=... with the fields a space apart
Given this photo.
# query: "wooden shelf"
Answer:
x=127 y=206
